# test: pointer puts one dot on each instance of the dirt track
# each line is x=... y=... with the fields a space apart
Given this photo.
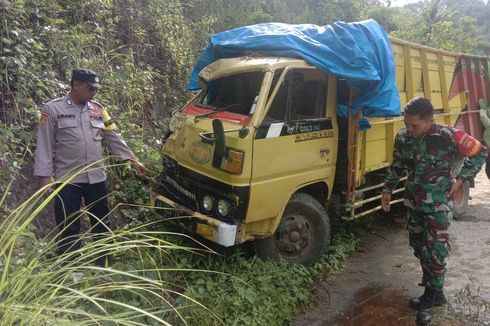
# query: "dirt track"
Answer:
x=376 y=282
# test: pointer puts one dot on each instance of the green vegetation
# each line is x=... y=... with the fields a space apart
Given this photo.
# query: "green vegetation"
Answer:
x=156 y=279
x=438 y=25
x=144 y=51
x=38 y=287
x=253 y=292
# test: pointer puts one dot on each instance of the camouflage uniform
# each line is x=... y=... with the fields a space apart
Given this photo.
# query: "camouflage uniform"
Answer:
x=429 y=161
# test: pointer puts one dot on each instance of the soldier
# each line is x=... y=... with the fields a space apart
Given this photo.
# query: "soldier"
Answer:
x=70 y=132
x=427 y=150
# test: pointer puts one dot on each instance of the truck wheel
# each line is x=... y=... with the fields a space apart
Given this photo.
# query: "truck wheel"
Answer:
x=461 y=200
x=302 y=236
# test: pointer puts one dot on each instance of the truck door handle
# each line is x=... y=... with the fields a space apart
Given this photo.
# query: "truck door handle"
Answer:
x=324 y=151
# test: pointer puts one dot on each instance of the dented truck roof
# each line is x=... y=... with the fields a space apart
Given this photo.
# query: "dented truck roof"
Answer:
x=230 y=66
x=359 y=52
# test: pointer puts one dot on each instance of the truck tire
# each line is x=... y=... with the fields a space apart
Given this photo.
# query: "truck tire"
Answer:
x=302 y=236
x=461 y=200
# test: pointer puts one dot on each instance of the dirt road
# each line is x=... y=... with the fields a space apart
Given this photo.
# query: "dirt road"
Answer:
x=376 y=282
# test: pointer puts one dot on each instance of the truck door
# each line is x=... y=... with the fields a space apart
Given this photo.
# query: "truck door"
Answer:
x=296 y=143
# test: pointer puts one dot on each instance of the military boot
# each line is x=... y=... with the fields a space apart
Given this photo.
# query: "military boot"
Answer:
x=424 y=317
x=430 y=298
x=433 y=298
x=415 y=302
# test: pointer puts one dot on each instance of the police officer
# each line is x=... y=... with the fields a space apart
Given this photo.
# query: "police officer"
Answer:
x=70 y=133
x=427 y=151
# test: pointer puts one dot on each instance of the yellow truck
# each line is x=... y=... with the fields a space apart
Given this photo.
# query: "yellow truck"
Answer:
x=272 y=162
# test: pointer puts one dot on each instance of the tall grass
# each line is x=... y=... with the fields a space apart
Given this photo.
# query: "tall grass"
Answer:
x=38 y=287
x=155 y=280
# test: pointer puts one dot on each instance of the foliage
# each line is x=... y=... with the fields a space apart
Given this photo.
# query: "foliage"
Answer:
x=434 y=24
x=249 y=291
x=480 y=11
x=157 y=278
x=37 y=286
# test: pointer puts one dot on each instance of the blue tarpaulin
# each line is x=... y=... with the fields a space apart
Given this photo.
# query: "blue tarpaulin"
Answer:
x=360 y=52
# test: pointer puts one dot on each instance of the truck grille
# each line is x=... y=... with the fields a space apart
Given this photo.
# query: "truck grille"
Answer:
x=187 y=188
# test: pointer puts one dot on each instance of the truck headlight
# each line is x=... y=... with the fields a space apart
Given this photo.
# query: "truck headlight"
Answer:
x=223 y=207
x=207 y=203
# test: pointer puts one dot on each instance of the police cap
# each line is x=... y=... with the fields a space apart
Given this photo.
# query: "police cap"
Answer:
x=85 y=75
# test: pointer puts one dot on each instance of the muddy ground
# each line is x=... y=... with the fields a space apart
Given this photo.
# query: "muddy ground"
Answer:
x=376 y=282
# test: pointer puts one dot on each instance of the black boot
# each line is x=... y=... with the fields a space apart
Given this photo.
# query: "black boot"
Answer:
x=424 y=317
x=430 y=298
x=440 y=299
x=423 y=305
x=415 y=302
x=433 y=298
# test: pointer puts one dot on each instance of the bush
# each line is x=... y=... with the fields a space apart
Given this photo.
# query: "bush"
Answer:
x=249 y=291
x=38 y=287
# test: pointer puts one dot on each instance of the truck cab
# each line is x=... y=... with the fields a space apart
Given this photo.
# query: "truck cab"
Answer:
x=253 y=157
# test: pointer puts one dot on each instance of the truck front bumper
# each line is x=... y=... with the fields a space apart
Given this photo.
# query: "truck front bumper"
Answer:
x=207 y=227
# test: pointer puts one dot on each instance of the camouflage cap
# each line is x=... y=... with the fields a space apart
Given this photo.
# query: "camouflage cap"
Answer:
x=85 y=75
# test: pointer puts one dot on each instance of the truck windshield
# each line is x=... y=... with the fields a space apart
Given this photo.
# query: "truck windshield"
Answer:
x=236 y=93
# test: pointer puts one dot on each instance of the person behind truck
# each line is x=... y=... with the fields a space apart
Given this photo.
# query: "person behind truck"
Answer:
x=69 y=137
x=426 y=150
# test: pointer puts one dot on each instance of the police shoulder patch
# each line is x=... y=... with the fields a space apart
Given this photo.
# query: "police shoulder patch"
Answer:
x=95 y=108
x=43 y=118
x=467 y=145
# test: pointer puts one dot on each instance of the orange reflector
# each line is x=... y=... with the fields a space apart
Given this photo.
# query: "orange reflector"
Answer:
x=204 y=230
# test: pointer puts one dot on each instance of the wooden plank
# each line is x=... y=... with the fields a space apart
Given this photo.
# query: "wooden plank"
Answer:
x=425 y=75
x=408 y=72
x=444 y=89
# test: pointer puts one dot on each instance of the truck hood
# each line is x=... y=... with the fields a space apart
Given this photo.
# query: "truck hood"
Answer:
x=186 y=146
